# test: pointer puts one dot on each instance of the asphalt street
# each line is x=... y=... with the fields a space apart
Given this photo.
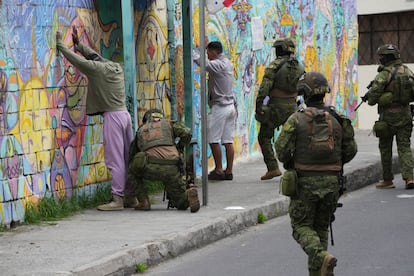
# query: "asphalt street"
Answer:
x=372 y=235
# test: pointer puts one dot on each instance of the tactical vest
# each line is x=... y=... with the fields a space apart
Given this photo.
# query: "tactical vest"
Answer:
x=401 y=85
x=154 y=134
x=288 y=75
x=318 y=141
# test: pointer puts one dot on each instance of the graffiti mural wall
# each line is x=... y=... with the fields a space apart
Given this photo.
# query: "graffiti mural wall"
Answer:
x=48 y=146
x=325 y=32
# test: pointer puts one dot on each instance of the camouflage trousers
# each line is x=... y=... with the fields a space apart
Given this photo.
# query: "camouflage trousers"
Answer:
x=170 y=176
x=310 y=214
x=402 y=137
x=280 y=112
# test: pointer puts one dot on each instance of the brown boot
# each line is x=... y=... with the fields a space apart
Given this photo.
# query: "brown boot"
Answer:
x=116 y=204
x=328 y=265
x=130 y=202
x=143 y=205
x=409 y=184
x=385 y=184
x=271 y=174
x=193 y=202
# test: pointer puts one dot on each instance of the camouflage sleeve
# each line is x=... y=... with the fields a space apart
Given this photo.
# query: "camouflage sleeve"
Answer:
x=285 y=143
x=378 y=86
x=266 y=85
x=349 y=145
x=183 y=132
x=133 y=149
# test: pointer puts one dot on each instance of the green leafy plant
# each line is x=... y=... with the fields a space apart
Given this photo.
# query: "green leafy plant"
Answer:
x=51 y=209
x=261 y=217
x=141 y=268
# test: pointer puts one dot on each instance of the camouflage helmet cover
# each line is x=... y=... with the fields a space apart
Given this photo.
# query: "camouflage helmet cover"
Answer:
x=151 y=114
x=286 y=45
x=388 y=49
x=311 y=84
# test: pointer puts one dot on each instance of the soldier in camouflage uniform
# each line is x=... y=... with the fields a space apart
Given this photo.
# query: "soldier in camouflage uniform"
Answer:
x=155 y=156
x=318 y=166
x=392 y=91
x=279 y=89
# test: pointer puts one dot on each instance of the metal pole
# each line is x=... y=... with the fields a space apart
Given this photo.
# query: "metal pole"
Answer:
x=129 y=60
x=203 y=103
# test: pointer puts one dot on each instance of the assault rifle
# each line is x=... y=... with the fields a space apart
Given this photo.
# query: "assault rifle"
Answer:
x=365 y=97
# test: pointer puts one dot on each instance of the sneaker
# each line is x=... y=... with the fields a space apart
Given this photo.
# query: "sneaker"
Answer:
x=213 y=175
x=130 y=202
x=271 y=174
x=193 y=202
x=409 y=184
x=143 y=205
x=385 y=184
x=116 y=204
x=328 y=265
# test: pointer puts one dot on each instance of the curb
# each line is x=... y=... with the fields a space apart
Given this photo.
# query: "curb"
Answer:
x=152 y=253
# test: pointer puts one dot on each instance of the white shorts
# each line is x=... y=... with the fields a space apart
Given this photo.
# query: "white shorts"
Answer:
x=221 y=122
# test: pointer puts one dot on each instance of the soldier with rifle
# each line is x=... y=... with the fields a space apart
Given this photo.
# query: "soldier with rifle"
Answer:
x=392 y=90
x=314 y=144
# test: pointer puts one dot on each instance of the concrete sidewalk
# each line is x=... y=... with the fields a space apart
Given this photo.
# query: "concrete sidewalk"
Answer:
x=112 y=243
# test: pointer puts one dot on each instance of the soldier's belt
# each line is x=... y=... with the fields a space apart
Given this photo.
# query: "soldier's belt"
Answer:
x=396 y=108
x=317 y=173
x=154 y=160
x=278 y=93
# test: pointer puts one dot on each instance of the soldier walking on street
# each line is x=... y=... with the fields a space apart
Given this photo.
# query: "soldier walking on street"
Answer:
x=276 y=100
x=393 y=90
x=314 y=144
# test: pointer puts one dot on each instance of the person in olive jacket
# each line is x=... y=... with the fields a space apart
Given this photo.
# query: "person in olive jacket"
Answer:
x=106 y=97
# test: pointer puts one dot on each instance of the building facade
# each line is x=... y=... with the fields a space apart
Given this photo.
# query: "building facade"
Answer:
x=381 y=23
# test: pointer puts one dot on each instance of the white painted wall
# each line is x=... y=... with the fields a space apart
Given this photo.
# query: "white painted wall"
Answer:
x=383 y=6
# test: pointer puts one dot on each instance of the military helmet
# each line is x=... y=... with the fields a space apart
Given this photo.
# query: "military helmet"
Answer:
x=152 y=114
x=388 y=49
x=284 y=45
x=311 y=84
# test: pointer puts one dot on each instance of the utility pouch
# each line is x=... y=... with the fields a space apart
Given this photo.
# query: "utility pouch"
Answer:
x=139 y=163
x=385 y=99
x=289 y=183
x=381 y=129
x=264 y=116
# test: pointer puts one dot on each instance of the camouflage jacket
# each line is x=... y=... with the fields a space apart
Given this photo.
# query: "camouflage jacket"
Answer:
x=268 y=82
x=180 y=131
x=286 y=142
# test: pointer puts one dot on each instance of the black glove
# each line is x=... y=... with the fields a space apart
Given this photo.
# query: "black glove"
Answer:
x=364 y=98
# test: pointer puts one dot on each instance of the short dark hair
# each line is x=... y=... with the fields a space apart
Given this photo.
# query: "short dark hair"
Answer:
x=215 y=45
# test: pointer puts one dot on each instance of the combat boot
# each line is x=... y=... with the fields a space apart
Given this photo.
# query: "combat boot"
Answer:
x=328 y=265
x=143 y=205
x=409 y=184
x=193 y=202
x=116 y=204
x=130 y=202
x=385 y=184
x=271 y=174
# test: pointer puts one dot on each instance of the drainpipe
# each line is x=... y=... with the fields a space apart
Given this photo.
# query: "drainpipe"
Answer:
x=130 y=70
x=171 y=59
x=203 y=102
